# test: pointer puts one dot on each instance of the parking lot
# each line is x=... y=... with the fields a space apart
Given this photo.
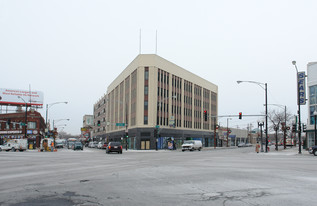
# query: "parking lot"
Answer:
x=235 y=176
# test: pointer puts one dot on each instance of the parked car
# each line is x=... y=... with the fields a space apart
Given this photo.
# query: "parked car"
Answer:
x=78 y=146
x=59 y=144
x=114 y=147
x=100 y=144
x=248 y=145
x=192 y=145
x=92 y=144
x=70 y=145
x=105 y=145
x=313 y=150
x=241 y=144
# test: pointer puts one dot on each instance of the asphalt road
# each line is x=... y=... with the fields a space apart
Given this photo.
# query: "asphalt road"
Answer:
x=211 y=177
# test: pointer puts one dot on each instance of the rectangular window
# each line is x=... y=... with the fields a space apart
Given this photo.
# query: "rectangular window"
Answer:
x=146 y=105
x=146 y=74
x=146 y=90
x=145 y=119
x=31 y=125
x=312 y=94
x=311 y=111
x=312 y=103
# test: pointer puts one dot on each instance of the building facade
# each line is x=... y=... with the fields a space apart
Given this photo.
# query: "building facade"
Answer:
x=153 y=102
x=88 y=120
x=100 y=123
x=12 y=127
x=312 y=102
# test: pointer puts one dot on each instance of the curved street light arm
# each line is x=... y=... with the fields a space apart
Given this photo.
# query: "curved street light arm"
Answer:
x=50 y=105
x=258 y=83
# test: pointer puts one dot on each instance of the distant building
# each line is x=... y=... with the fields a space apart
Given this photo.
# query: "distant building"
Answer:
x=34 y=130
x=88 y=120
x=100 y=108
x=152 y=102
x=312 y=102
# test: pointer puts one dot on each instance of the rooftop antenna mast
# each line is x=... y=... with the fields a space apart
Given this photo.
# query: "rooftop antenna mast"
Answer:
x=140 y=43
x=156 y=42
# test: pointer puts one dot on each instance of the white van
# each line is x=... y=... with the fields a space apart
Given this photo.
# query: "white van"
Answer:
x=192 y=145
x=15 y=144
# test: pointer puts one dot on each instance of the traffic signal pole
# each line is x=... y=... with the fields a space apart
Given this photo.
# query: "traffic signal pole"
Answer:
x=215 y=133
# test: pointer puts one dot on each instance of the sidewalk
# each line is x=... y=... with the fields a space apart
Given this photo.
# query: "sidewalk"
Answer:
x=287 y=151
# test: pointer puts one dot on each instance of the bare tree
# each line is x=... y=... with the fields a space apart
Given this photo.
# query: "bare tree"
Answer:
x=279 y=118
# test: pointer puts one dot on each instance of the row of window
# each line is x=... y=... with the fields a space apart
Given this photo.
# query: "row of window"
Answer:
x=146 y=95
x=163 y=77
x=312 y=103
x=14 y=125
x=177 y=82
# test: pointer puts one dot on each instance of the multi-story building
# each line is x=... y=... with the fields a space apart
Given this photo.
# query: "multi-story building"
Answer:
x=99 y=118
x=12 y=126
x=88 y=120
x=312 y=102
x=153 y=93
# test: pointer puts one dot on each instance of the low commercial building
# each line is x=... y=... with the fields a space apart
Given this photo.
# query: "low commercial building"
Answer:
x=12 y=126
x=153 y=101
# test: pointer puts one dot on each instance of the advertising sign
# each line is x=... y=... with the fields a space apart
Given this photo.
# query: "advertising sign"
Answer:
x=85 y=133
x=302 y=88
x=15 y=97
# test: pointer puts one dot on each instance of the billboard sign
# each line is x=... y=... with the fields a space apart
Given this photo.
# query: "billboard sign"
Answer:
x=301 y=88
x=11 y=97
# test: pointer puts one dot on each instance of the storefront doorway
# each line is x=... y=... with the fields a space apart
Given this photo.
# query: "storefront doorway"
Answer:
x=145 y=144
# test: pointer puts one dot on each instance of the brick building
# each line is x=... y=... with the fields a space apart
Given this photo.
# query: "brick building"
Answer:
x=34 y=130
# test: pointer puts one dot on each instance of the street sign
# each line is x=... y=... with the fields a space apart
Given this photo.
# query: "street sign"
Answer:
x=301 y=88
x=157 y=126
x=120 y=124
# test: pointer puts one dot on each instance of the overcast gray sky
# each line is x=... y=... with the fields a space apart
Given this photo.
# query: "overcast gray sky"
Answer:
x=72 y=50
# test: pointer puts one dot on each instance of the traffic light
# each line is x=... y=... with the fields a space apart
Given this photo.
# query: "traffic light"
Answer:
x=294 y=128
x=98 y=123
x=205 y=115
x=240 y=115
x=304 y=127
x=126 y=135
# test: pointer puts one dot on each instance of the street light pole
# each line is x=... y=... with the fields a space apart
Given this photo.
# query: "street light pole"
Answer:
x=26 y=117
x=266 y=125
x=285 y=126
x=49 y=106
x=299 y=122
x=228 y=131
x=261 y=125
x=54 y=126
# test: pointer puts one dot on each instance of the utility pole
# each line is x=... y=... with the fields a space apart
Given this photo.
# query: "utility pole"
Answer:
x=261 y=124
x=215 y=134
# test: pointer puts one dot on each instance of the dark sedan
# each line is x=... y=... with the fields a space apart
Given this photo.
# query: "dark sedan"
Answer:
x=78 y=146
x=114 y=147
